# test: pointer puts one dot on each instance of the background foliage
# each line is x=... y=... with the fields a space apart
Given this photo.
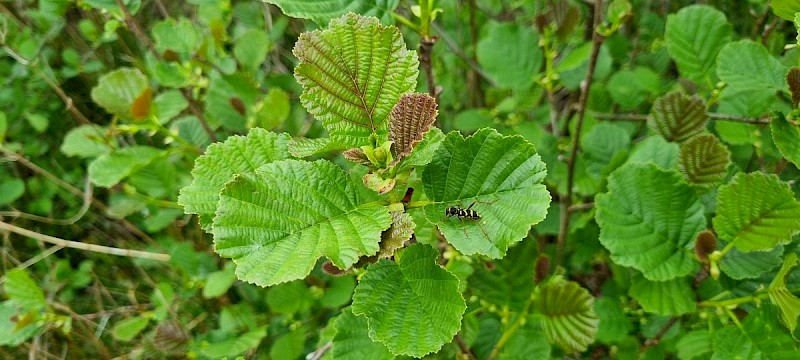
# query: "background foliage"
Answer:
x=634 y=165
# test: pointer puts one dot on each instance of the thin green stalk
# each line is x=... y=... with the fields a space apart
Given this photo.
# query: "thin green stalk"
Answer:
x=512 y=329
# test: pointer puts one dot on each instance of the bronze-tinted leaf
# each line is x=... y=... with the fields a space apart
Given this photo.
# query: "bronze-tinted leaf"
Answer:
x=704 y=160
x=356 y=155
x=677 y=116
x=395 y=236
x=140 y=109
x=793 y=79
x=238 y=105
x=411 y=118
x=705 y=244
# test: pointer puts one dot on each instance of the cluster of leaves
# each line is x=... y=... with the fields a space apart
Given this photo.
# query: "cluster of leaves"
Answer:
x=359 y=219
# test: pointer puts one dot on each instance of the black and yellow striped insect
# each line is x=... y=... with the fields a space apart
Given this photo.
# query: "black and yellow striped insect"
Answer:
x=468 y=214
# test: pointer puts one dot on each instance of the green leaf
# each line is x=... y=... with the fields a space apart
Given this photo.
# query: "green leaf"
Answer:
x=424 y=151
x=221 y=162
x=694 y=37
x=38 y=122
x=109 y=169
x=338 y=292
x=169 y=104
x=677 y=116
x=509 y=54
x=413 y=306
x=655 y=150
x=649 y=219
x=704 y=160
x=785 y=9
x=305 y=147
x=218 y=282
x=601 y=144
x=671 y=297
x=509 y=283
x=756 y=212
x=11 y=190
x=500 y=177
x=740 y=265
x=251 y=49
x=694 y=344
x=323 y=11
x=277 y=221
x=786 y=137
x=758 y=338
x=272 y=110
x=352 y=76
x=569 y=318
x=22 y=291
x=781 y=296
x=179 y=36
x=13 y=331
x=237 y=345
x=614 y=324
x=397 y=234
x=289 y=346
x=127 y=329
x=118 y=90
x=229 y=99
x=631 y=88
x=289 y=298
x=352 y=341
x=746 y=65
x=527 y=343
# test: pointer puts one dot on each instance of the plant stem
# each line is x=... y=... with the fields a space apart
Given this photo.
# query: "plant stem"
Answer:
x=656 y=339
x=511 y=329
x=714 y=116
x=566 y=199
x=735 y=301
x=84 y=246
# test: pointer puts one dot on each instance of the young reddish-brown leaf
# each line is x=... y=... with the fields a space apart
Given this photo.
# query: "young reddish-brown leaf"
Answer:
x=705 y=244
x=793 y=79
x=141 y=106
x=356 y=155
x=411 y=118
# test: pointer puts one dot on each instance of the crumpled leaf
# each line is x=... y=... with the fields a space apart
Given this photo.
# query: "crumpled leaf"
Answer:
x=397 y=234
x=409 y=120
x=277 y=221
x=352 y=75
x=704 y=160
x=677 y=116
x=569 y=318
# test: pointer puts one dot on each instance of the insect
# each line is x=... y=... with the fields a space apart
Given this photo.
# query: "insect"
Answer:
x=461 y=214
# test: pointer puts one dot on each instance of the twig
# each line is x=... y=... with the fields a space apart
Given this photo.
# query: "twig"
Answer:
x=714 y=116
x=87 y=202
x=319 y=353
x=464 y=348
x=566 y=200
x=84 y=246
x=425 y=49
x=655 y=340
x=579 y=207
x=52 y=250
x=67 y=186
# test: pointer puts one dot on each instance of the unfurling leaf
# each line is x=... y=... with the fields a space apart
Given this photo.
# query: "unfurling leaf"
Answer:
x=410 y=120
x=569 y=318
x=412 y=304
x=786 y=137
x=649 y=219
x=756 y=212
x=781 y=296
x=677 y=116
x=705 y=244
x=500 y=177
x=704 y=160
x=352 y=75
x=793 y=80
x=277 y=221
x=396 y=235
x=238 y=154
x=357 y=156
